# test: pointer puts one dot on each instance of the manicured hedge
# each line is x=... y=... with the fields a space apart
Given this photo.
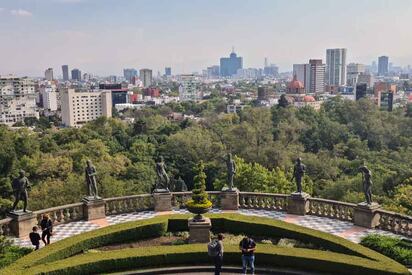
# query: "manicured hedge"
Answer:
x=396 y=248
x=60 y=257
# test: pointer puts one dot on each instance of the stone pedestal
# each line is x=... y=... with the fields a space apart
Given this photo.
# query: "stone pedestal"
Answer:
x=162 y=201
x=22 y=223
x=365 y=215
x=93 y=208
x=199 y=231
x=298 y=203
x=229 y=199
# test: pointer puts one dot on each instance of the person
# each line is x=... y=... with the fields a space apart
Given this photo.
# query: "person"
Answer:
x=35 y=238
x=20 y=186
x=46 y=225
x=248 y=247
x=218 y=259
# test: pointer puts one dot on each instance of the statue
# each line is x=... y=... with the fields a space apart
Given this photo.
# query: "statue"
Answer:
x=231 y=170
x=162 y=183
x=20 y=186
x=367 y=183
x=298 y=173
x=91 y=182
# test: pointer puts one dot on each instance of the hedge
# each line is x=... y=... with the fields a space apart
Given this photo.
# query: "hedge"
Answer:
x=359 y=259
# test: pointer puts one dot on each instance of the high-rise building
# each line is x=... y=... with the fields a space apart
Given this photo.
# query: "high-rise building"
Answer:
x=213 y=71
x=168 y=71
x=311 y=75
x=76 y=75
x=48 y=74
x=336 y=67
x=79 y=108
x=119 y=94
x=271 y=70
x=65 y=70
x=17 y=100
x=361 y=91
x=146 y=77
x=353 y=72
x=188 y=88
x=383 y=65
x=129 y=74
x=230 y=66
x=49 y=98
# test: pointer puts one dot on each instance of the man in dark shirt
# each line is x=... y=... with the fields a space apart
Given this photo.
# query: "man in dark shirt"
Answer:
x=46 y=225
x=219 y=257
x=35 y=238
x=248 y=247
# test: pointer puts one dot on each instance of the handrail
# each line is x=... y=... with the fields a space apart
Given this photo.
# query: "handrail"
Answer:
x=395 y=222
x=127 y=197
x=331 y=209
x=62 y=214
x=55 y=208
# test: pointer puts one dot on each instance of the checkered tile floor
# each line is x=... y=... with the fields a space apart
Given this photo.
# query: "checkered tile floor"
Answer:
x=336 y=227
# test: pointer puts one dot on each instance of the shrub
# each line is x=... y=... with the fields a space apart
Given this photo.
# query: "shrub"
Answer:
x=199 y=203
x=396 y=248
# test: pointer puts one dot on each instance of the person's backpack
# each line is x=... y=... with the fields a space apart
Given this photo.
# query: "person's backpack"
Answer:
x=213 y=248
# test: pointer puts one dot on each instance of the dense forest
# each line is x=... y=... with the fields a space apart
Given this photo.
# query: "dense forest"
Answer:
x=333 y=143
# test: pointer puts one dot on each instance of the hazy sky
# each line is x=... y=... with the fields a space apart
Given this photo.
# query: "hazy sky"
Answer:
x=104 y=36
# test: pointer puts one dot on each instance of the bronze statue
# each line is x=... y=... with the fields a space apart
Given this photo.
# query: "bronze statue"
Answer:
x=20 y=186
x=90 y=173
x=298 y=173
x=367 y=183
x=162 y=183
x=231 y=170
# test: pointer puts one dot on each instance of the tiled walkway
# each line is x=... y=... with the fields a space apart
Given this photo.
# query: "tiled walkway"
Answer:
x=340 y=228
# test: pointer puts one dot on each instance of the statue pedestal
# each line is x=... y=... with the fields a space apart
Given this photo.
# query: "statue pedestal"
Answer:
x=162 y=200
x=365 y=215
x=22 y=223
x=93 y=208
x=199 y=231
x=298 y=203
x=229 y=199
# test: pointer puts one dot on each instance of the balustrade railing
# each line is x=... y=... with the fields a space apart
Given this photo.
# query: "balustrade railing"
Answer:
x=129 y=204
x=265 y=201
x=395 y=223
x=331 y=209
x=62 y=214
x=5 y=226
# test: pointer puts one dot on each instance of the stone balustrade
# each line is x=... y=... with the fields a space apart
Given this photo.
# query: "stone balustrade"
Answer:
x=5 y=226
x=395 y=223
x=267 y=201
x=331 y=209
x=62 y=214
x=128 y=204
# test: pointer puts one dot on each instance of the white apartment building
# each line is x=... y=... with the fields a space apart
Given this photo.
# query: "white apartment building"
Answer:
x=189 y=88
x=49 y=98
x=336 y=67
x=79 y=108
x=353 y=72
x=17 y=100
x=146 y=77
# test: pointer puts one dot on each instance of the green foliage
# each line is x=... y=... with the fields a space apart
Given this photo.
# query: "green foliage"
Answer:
x=10 y=253
x=396 y=248
x=199 y=201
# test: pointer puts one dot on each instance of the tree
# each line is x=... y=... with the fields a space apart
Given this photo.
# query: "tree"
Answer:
x=199 y=203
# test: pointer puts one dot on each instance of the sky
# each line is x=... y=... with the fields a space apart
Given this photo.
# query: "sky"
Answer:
x=104 y=36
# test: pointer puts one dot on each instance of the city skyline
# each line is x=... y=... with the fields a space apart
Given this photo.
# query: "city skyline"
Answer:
x=104 y=37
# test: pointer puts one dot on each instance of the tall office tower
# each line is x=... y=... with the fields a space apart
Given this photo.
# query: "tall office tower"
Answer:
x=229 y=66
x=302 y=73
x=168 y=71
x=336 y=67
x=311 y=75
x=213 y=71
x=271 y=70
x=129 y=74
x=80 y=107
x=17 y=100
x=383 y=65
x=188 y=88
x=76 y=74
x=361 y=91
x=48 y=74
x=353 y=72
x=146 y=77
x=65 y=70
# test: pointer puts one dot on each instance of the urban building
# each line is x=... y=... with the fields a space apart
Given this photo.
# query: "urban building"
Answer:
x=262 y=94
x=65 y=70
x=213 y=71
x=189 y=88
x=79 y=108
x=353 y=72
x=367 y=79
x=385 y=100
x=152 y=92
x=335 y=67
x=119 y=94
x=49 y=98
x=76 y=75
x=168 y=71
x=295 y=86
x=146 y=77
x=361 y=90
x=17 y=100
x=129 y=74
x=383 y=65
x=271 y=70
x=311 y=75
x=230 y=65
x=249 y=73
x=383 y=87
x=48 y=74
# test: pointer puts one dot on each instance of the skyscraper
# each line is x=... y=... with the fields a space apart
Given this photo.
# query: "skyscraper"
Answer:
x=229 y=66
x=76 y=74
x=383 y=65
x=312 y=75
x=129 y=74
x=189 y=88
x=336 y=67
x=168 y=71
x=48 y=74
x=65 y=70
x=146 y=77
x=353 y=72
